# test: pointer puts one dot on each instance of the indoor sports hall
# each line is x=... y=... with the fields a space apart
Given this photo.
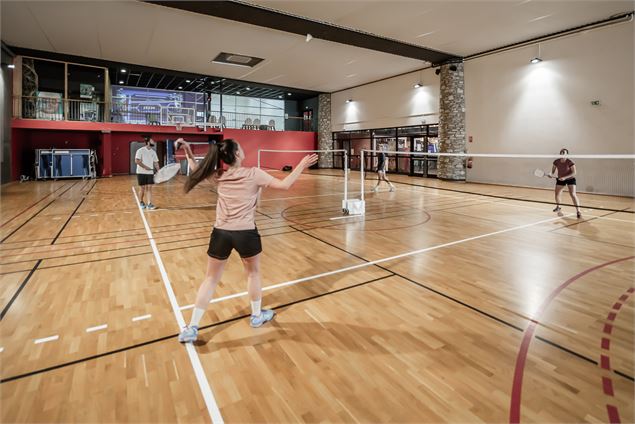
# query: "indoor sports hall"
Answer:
x=317 y=211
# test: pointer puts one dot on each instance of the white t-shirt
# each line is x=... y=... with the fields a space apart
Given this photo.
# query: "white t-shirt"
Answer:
x=148 y=157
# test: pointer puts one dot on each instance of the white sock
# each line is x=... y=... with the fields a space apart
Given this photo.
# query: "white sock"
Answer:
x=196 y=317
x=255 y=307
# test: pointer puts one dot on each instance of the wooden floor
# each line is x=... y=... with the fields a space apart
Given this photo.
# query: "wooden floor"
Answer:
x=447 y=302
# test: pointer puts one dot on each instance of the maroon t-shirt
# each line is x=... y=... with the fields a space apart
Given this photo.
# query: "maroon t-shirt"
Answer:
x=564 y=168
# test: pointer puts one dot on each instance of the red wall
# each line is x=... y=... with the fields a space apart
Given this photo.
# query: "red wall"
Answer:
x=112 y=142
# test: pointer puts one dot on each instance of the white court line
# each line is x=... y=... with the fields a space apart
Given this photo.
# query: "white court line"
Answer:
x=96 y=328
x=345 y=217
x=141 y=317
x=206 y=390
x=46 y=339
x=378 y=261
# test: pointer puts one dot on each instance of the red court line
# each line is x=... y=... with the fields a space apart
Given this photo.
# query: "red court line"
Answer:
x=607 y=386
x=608 y=328
x=607 y=382
x=614 y=416
x=521 y=358
x=605 y=362
x=606 y=343
x=30 y=206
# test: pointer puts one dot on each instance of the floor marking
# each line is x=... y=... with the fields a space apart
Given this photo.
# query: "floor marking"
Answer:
x=175 y=370
x=145 y=371
x=345 y=217
x=206 y=390
x=96 y=328
x=141 y=317
x=46 y=339
x=378 y=261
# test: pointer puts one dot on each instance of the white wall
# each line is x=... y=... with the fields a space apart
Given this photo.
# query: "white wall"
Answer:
x=389 y=103
x=513 y=106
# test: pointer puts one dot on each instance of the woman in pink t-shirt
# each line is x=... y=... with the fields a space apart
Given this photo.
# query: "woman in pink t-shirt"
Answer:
x=565 y=177
x=235 y=226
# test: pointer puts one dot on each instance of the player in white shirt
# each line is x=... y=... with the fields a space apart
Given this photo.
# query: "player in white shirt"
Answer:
x=147 y=161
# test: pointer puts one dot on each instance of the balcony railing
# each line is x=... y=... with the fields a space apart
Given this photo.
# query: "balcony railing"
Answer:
x=58 y=109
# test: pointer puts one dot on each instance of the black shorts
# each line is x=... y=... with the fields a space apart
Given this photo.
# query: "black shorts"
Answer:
x=246 y=242
x=145 y=179
x=567 y=182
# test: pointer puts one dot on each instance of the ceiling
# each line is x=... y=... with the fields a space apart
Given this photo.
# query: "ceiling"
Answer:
x=156 y=36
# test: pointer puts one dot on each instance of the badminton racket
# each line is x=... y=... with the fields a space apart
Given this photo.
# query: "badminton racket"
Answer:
x=166 y=173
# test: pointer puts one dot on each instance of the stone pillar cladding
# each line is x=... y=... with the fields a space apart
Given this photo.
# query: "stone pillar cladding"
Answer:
x=325 y=138
x=452 y=122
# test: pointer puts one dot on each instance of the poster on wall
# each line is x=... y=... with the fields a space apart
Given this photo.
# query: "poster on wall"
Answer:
x=86 y=91
x=49 y=106
x=133 y=105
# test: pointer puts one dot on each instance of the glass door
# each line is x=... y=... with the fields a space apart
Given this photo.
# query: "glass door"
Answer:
x=418 y=163
x=403 y=162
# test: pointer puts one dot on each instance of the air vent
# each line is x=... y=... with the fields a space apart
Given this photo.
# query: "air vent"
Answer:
x=237 y=59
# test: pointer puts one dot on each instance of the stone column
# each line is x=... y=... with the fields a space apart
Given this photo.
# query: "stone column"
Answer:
x=325 y=139
x=452 y=122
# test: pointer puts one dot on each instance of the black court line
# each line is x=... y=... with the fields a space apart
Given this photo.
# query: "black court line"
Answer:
x=174 y=335
x=35 y=214
x=17 y=292
x=584 y=220
x=473 y=308
x=105 y=232
x=497 y=196
x=5 y=310
x=118 y=257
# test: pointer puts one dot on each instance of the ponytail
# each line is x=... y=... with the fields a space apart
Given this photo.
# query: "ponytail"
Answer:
x=212 y=163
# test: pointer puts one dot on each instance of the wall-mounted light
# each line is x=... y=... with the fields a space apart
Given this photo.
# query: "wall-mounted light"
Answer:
x=309 y=37
x=417 y=85
x=11 y=66
x=349 y=100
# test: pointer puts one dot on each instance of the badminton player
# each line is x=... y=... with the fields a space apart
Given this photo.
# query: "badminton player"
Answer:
x=565 y=177
x=147 y=161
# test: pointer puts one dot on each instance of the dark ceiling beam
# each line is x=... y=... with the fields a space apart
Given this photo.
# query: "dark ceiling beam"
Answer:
x=268 y=18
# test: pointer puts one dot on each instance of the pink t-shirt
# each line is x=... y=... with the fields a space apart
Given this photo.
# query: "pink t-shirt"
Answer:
x=237 y=197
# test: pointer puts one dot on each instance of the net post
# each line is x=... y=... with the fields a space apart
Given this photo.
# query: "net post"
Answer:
x=345 y=177
x=361 y=169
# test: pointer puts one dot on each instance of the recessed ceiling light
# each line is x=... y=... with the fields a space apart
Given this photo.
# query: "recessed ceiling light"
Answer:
x=124 y=71
x=288 y=94
x=180 y=88
x=187 y=80
x=121 y=82
x=11 y=66
x=535 y=60
x=279 y=97
x=247 y=88
x=238 y=92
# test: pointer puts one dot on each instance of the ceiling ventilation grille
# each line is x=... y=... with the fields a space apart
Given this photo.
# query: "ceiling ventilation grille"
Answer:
x=237 y=59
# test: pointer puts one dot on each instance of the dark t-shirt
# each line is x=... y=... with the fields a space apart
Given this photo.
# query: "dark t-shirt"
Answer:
x=381 y=162
x=564 y=168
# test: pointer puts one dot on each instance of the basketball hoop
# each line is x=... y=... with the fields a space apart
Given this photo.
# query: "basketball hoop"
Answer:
x=179 y=126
